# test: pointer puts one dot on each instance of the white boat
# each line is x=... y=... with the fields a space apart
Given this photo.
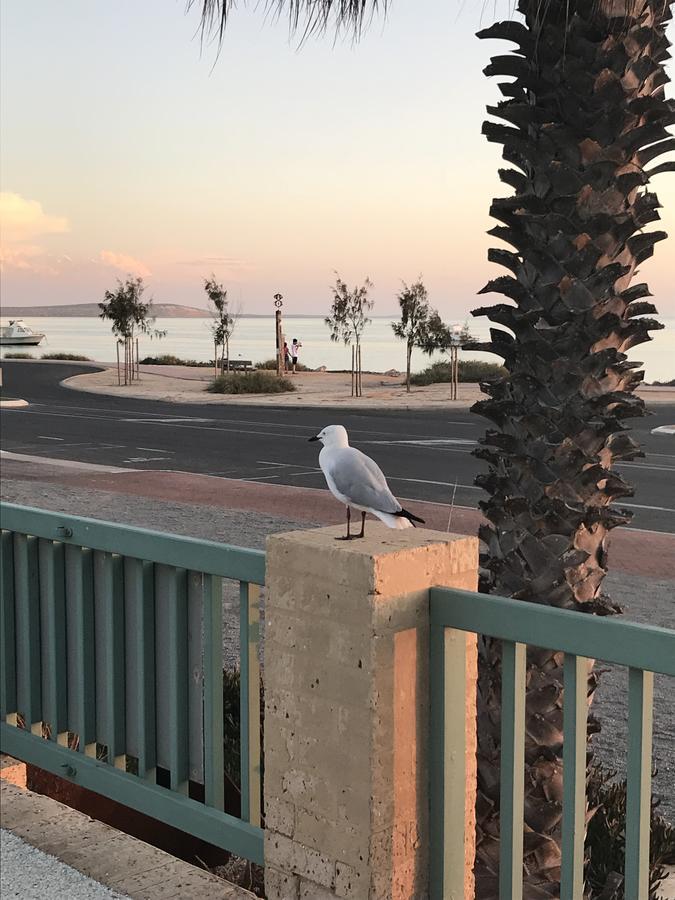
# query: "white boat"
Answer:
x=18 y=333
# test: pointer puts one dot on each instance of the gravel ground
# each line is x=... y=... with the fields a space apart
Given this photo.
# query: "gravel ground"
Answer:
x=649 y=601
x=29 y=874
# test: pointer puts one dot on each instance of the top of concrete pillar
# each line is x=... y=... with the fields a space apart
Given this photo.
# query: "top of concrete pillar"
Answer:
x=412 y=556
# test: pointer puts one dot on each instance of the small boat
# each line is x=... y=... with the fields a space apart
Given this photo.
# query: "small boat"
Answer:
x=18 y=333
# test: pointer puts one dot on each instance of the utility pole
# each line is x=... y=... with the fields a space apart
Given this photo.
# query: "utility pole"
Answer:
x=278 y=302
x=456 y=340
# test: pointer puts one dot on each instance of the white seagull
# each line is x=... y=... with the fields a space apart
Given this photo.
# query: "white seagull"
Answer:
x=357 y=480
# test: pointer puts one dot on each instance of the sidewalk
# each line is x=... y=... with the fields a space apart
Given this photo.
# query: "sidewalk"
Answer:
x=53 y=852
x=183 y=384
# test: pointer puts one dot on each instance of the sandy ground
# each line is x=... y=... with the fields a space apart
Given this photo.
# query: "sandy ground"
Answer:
x=182 y=384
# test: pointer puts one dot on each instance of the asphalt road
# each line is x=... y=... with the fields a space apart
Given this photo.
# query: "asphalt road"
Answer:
x=426 y=455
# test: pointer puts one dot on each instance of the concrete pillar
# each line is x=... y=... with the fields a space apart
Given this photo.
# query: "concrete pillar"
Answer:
x=346 y=709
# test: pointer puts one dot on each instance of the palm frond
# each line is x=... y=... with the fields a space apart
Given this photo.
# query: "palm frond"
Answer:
x=305 y=17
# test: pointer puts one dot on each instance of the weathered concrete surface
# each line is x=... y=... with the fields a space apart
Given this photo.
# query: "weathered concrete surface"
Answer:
x=346 y=691
x=121 y=862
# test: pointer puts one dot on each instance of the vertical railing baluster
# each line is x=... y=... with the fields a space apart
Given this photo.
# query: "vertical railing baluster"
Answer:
x=139 y=616
x=511 y=801
x=638 y=797
x=214 y=763
x=575 y=717
x=81 y=646
x=53 y=639
x=7 y=630
x=27 y=594
x=109 y=572
x=447 y=763
x=178 y=681
x=249 y=699
x=195 y=663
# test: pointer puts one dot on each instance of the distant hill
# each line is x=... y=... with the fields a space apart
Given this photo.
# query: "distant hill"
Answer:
x=161 y=310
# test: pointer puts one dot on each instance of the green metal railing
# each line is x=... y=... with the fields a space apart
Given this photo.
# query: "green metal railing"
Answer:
x=111 y=671
x=643 y=649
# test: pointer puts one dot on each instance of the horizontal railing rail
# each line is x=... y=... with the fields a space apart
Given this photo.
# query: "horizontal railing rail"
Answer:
x=643 y=649
x=111 y=670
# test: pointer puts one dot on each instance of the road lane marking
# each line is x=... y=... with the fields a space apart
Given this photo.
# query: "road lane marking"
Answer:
x=154 y=449
x=433 y=443
x=646 y=467
x=652 y=508
x=46 y=437
x=143 y=416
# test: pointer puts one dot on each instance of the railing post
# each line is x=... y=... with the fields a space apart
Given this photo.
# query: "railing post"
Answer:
x=347 y=709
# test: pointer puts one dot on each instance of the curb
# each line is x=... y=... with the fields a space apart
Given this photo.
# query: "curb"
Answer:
x=121 y=862
x=13 y=404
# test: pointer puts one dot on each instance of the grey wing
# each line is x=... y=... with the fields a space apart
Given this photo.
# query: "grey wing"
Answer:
x=360 y=479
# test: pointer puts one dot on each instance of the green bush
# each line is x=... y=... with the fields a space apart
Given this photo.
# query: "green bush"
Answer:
x=250 y=383
x=74 y=357
x=167 y=359
x=272 y=364
x=18 y=356
x=469 y=370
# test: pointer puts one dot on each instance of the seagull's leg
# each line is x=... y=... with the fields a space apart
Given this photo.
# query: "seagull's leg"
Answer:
x=362 y=533
x=348 y=536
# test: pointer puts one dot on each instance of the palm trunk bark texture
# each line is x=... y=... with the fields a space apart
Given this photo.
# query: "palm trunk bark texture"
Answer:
x=585 y=116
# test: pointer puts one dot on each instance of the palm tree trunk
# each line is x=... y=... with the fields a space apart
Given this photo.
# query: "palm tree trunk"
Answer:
x=586 y=101
x=407 y=367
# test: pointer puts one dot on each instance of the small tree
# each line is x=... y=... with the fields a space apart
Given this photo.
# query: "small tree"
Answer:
x=420 y=326
x=129 y=316
x=224 y=319
x=347 y=321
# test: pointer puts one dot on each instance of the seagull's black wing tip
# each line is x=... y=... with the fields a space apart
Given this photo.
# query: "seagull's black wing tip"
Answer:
x=411 y=517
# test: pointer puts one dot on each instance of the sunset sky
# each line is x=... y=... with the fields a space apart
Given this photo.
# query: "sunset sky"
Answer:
x=127 y=150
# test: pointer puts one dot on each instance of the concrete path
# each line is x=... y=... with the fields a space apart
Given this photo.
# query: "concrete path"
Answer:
x=29 y=874
x=53 y=852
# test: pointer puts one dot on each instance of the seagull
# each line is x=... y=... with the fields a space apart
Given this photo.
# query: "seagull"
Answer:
x=357 y=480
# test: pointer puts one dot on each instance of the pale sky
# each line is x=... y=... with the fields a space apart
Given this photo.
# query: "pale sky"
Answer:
x=127 y=150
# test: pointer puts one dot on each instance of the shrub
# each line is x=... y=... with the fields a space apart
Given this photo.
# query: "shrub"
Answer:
x=74 y=357
x=18 y=356
x=469 y=370
x=670 y=383
x=606 y=837
x=250 y=383
x=272 y=364
x=167 y=359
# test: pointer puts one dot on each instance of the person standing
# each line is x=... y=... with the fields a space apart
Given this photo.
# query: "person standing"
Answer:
x=295 y=352
x=287 y=357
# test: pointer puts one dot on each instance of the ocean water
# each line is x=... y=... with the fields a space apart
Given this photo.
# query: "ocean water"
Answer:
x=254 y=339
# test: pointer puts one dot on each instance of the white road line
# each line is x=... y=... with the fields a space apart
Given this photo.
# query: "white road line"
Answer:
x=139 y=459
x=143 y=416
x=260 y=478
x=646 y=467
x=434 y=442
x=652 y=508
x=155 y=449
x=46 y=437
